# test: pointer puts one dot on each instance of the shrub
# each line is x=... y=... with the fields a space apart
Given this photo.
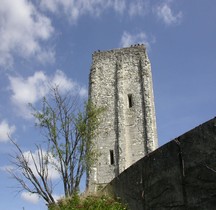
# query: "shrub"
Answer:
x=89 y=203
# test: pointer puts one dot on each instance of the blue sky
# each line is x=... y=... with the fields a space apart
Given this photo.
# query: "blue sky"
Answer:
x=51 y=41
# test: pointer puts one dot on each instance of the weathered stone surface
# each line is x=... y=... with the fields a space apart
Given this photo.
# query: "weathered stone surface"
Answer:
x=121 y=81
x=179 y=175
x=199 y=158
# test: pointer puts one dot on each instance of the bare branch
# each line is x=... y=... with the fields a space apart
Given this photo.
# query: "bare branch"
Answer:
x=68 y=130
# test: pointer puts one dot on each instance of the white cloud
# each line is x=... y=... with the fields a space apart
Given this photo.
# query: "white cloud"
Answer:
x=61 y=80
x=128 y=39
x=5 y=130
x=35 y=87
x=165 y=13
x=32 y=198
x=28 y=90
x=22 y=30
x=138 y=7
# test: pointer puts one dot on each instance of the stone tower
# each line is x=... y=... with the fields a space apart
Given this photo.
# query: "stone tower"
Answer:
x=121 y=81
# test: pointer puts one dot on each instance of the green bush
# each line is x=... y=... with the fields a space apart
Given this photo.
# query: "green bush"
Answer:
x=89 y=203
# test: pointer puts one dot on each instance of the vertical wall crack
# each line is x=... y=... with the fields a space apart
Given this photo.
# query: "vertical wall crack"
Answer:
x=145 y=135
x=116 y=99
x=182 y=169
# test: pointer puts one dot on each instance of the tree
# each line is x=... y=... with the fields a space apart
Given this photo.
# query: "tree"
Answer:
x=69 y=132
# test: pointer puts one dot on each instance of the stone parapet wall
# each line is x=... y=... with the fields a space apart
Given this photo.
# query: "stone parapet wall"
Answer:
x=179 y=175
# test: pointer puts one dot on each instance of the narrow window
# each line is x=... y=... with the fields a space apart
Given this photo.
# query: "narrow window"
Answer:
x=130 y=101
x=112 y=157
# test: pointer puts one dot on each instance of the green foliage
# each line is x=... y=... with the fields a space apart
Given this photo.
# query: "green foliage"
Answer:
x=88 y=123
x=89 y=203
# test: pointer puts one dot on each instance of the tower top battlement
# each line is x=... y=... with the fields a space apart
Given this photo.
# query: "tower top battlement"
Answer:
x=137 y=48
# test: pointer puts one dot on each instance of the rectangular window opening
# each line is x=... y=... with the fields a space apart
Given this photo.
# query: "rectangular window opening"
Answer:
x=130 y=101
x=112 y=162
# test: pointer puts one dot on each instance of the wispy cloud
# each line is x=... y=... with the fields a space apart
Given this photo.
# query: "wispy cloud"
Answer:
x=23 y=29
x=166 y=14
x=118 y=5
x=128 y=39
x=35 y=87
x=5 y=130
x=138 y=7
x=77 y=8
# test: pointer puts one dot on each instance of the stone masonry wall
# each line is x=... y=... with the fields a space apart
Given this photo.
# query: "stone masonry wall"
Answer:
x=121 y=81
x=179 y=175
